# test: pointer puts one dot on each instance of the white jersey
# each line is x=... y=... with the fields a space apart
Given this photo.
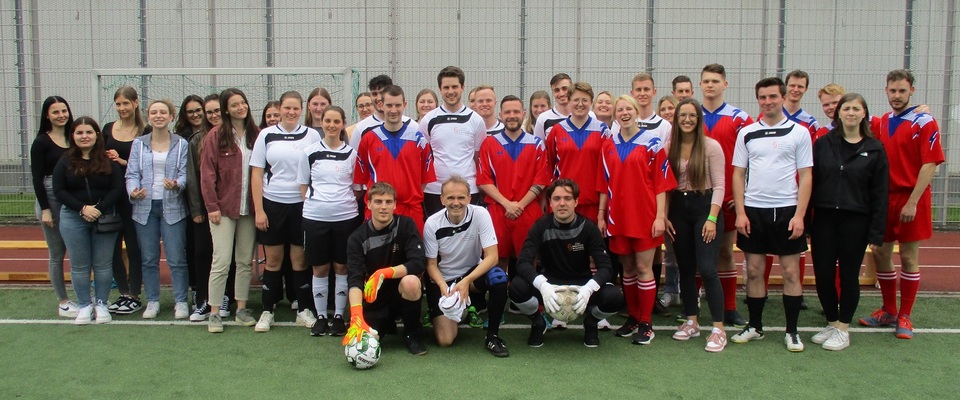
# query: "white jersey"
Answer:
x=455 y=137
x=772 y=156
x=367 y=125
x=278 y=153
x=496 y=128
x=460 y=246
x=656 y=124
x=328 y=174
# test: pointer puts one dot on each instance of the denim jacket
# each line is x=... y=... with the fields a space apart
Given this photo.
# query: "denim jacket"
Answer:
x=140 y=175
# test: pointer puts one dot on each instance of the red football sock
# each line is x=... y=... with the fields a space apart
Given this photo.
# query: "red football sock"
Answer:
x=632 y=296
x=647 y=291
x=728 y=281
x=888 y=289
x=909 y=284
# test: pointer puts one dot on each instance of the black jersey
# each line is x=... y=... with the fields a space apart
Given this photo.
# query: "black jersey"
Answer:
x=564 y=251
x=369 y=249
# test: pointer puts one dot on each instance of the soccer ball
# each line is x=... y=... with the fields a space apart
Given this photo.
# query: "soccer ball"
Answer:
x=566 y=298
x=363 y=353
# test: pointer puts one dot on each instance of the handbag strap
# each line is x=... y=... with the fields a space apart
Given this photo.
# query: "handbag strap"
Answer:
x=87 y=184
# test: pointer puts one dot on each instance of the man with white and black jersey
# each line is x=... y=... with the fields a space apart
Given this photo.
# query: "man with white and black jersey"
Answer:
x=455 y=133
x=486 y=106
x=560 y=87
x=278 y=202
x=329 y=216
x=461 y=249
x=376 y=119
x=644 y=90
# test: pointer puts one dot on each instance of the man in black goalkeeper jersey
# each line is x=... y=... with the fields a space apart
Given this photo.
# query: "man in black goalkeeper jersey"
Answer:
x=564 y=242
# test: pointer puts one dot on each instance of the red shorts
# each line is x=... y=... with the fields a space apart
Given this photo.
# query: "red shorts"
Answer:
x=512 y=234
x=589 y=210
x=623 y=245
x=729 y=218
x=921 y=228
x=414 y=212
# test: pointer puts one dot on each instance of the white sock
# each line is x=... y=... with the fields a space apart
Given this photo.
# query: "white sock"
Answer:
x=320 y=292
x=340 y=299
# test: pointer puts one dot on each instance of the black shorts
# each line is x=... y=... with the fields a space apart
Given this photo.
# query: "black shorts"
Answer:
x=285 y=224
x=769 y=234
x=382 y=314
x=433 y=291
x=326 y=242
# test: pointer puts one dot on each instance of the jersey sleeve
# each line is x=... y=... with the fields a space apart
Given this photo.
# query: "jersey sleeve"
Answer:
x=740 y=152
x=538 y=129
x=930 y=149
x=743 y=120
x=361 y=172
x=258 y=157
x=542 y=174
x=480 y=132
x=488 y=237
x=428 y=174
x=551 y=149
x=804 y=152
x=603 y=173
x=430 y=246
x=303 y=167
x=664 y=179
x=356 y=265
x=485 y=163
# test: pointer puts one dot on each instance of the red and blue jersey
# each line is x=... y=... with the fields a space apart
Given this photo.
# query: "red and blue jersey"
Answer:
x=513 y=166
x=911 y=139
x=634 y=171
x=402 y=159
x=723 y=125
x=804 y=119
x=574 y=153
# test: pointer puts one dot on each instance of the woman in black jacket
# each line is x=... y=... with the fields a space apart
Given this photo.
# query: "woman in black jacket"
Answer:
x=849 y=201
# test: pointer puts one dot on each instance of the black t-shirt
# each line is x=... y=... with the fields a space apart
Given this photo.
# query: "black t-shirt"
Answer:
x=101 y=190
x=44 y=155
x=122 y=148
x=369 y=250
x=848 y=149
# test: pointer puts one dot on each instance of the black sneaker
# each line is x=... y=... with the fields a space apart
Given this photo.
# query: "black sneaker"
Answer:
x=591 y=334
x=337 y=326
x=734 y=318
x=497 y=347
x=319 y=328
x=129 y=306
x=116 y=305
x=644 y=334
x=538 y=326
x=629 y=328
x=415 y=345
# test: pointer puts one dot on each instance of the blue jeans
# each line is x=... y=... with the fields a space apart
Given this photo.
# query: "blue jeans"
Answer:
x=89 y=251
x=174 y=243
x=55 y=247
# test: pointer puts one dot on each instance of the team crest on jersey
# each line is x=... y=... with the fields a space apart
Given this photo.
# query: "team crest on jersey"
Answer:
x=576 y=246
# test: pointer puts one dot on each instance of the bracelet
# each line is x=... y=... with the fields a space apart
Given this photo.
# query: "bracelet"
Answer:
x=712 y=218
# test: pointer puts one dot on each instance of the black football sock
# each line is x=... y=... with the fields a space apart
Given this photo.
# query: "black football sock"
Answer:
x=304 y=289
x=272 y=292
x=498 y=300
x=791 y=310
x=410 y=314
x=755 y=307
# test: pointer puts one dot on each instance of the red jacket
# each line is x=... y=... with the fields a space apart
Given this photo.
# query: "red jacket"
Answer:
x=221 y=175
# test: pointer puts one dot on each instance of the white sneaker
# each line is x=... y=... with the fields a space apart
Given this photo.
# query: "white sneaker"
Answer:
x=68 y=309
x=225 y=307
x=103 y=313
x=792 y=340
x=201 y=313
x=823 y=335
x=747 y=334
x=181 y=310
x=604 y=325
x=306 y=318
x=84 y=315
x=838 y=341
x=150 y=312
x=670 y=299
x=266 y=319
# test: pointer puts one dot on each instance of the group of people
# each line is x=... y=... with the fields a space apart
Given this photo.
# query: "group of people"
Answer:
x=478 y=210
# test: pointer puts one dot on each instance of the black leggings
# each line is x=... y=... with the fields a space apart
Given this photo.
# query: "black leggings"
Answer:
x=127 y=283
x=688 y=214
x=838 y=237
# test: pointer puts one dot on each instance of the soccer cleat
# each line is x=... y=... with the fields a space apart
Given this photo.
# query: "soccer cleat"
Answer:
x=717 y=341
x=538 y=326
x=747 y=334
x=904 y=327
x=792 y=340
x=244 y=317
x=604 y=325
x=426 y=322
x=670 y=299
x=733 y=318
x=628 y=329
x=102 y=312
x=225 y=307
x=152 y=309
x=415 y=345
x=215 y=323
x=687 y=330
x=838 y=341
x=84 y=315
x=591 y=333
x=497 y=346
x=305 y=318
x=181 y=310
x=201 y=313
x=879 y=318
x=319 y=327
x=473 y=318
x=823 y=335
x=263 y=325
x=68 y=309
x=644 y=335
x=337 y=326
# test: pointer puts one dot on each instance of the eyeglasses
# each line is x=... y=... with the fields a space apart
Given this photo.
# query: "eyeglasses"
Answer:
x=213 y=112
x=686 y=116
x=195 y=111
x=364 y=105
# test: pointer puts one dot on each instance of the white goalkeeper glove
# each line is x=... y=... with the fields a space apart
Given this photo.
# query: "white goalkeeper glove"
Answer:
x=548 y=293
x=583 y=295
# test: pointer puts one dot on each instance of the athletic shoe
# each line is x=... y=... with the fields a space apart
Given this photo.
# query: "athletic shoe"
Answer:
x=201 y=313
x=733 y=317
x=687 y=330
x=68 y=309
x=496 y=346
x=904 y=327
x=717 y=341
x=337 y=326
x=644 y=334
x=426 y=321
x=193 y=302
x=558 y=325
x=244 y=317
x=824 y=335
x=792 y=340
x=84 y=315
x=660 y=309
x=215 y=323
x=591 y=333
x=473 y=318
x=294 y=305
x=319 y=327
x=103 y=313
x=415 y=345
x=747 y=334
x=181 y=310
x=838 y=341
x=604 y=325
x=879 y=318
x=263 y=325
x=670 y=299
x=153 y=308
x=628 y=329
x=306 y=318
x=538 y=326
x=127 y=305
x=225 y=307
x=113 y=307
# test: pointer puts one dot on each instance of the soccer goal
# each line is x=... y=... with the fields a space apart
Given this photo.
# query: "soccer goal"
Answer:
x=259 y=84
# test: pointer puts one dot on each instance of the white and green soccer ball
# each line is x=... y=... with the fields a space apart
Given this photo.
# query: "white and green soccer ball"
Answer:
x=364 y=353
